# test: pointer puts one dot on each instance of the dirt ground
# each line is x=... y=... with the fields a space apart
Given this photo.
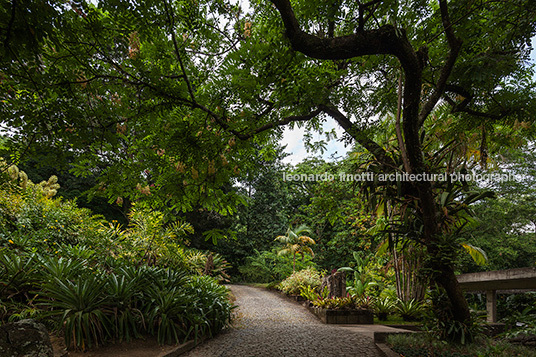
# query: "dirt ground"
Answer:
x=147 y=347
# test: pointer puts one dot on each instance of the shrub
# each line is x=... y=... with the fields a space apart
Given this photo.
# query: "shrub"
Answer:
x=383 y=307
x=208 y=263
x=124 y=302
x=91 y=276
x=440 y=322
x=410 y=310
x=268 y=267
x=425 y=345
x=342 y=303
x=307 y=277
x=81 y=305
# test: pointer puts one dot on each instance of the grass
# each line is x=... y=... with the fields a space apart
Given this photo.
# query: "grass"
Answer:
x=422 y=345
x=394 y=320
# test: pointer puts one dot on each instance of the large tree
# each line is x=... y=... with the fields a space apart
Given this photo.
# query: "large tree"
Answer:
x=167 y=98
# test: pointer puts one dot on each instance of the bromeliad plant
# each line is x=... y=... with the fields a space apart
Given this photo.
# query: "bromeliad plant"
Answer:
x=82 y=307
x=410 y=310
x=383 y=307
x=342 y=303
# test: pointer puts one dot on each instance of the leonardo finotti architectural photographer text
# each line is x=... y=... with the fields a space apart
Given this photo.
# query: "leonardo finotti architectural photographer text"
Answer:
x=404 y=176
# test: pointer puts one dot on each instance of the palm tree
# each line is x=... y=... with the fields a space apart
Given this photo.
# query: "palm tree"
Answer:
x=296 y=243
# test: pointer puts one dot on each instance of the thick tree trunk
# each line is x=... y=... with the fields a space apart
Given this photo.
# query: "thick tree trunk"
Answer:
x=460 y=309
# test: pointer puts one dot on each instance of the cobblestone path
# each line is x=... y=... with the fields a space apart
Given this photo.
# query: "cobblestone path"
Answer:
x=269 y=325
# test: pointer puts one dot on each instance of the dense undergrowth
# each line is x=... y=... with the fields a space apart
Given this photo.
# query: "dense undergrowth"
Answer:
x=421 y=345
x=97 y=282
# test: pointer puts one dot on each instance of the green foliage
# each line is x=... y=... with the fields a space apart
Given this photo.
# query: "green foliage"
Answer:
x=268 y=266
x=295 y=242
x=411 y=310
x=80 y=303
x=503 y=226
x=363 y=277
x=90 y=281
x=342 y=303
x=211 y=264
x=124 y=300
x=18 y=274
x=156 y=107
x=309 y=292
x=521 y=323
x=307 y=277
x=424 y=345
x=383 y=307
x=439 y=322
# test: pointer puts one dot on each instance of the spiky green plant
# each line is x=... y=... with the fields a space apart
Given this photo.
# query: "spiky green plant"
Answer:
x=124 y=296
x=82 y=306
x=383 y=307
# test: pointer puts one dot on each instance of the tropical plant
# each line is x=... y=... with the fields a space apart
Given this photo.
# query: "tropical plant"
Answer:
x=198 y=307
x=211 y=300
x=362 y=279
x=341 y=303
x=309 y=293
x=124 y=300
x=296 y=243
x=268 y=266
x=209 y=263
x=81 y=304
x=18 y=273
x=53 y=267
x=307 y=277
x=383 y=307
x=410 y=310
x=166 y=314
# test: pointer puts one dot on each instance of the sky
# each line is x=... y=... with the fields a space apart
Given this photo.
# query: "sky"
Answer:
x=293 y=138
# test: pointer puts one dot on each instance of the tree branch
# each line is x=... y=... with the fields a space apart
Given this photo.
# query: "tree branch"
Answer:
x=11 y=22
x=379 y=153
x=385 y=40
x=399 y=137
x=467 y=98
x=171 y=19
x=455 y=45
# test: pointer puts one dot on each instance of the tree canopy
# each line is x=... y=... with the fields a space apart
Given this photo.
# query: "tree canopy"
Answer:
x=169 y=99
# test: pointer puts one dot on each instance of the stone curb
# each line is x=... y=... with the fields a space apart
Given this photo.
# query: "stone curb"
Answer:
x=386 y=351
x=185 y=347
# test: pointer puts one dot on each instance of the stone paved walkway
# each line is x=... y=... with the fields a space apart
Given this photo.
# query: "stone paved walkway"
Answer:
x=269 y=325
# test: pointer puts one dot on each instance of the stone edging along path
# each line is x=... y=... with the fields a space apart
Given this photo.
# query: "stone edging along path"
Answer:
x=268 y=324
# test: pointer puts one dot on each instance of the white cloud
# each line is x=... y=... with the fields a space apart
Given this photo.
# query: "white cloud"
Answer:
x=293 y=138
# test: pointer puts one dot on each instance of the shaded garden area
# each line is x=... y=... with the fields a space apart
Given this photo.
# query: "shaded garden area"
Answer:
x=143 y=166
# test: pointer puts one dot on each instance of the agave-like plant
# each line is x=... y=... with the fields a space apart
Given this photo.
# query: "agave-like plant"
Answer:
x=82 y=307
x=166 y=314
x=410 y=310
x=383 y=307
x=58 y=267
x=123 y=299
x=212 y=303
x=17 y=273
